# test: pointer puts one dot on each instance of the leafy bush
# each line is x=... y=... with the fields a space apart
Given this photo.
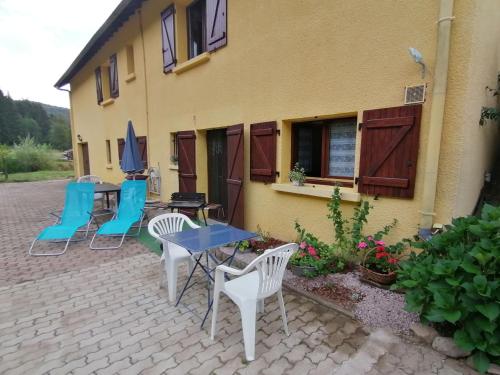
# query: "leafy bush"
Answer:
x=455 y=282
x=27 y=156
x=314 y=253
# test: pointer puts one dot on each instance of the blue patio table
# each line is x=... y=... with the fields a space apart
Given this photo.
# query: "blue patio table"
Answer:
x=199 y=242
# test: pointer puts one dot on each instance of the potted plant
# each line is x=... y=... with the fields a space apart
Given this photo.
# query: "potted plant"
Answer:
x=313 y=256
x=297 y=175
x=379 y=261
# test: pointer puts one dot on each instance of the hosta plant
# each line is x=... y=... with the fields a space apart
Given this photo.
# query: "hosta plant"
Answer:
x=455 y=282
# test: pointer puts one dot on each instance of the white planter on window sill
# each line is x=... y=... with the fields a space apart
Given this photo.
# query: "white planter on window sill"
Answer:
x=321 y=191
x=297 y=183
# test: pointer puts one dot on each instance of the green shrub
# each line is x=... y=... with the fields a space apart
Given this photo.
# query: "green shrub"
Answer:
x=27 y=156
x=455 y=283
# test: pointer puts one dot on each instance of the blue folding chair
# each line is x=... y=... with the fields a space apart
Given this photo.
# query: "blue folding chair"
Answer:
x=77 y=213
x=130 y=211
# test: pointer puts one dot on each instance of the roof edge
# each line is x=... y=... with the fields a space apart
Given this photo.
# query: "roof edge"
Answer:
x=118 y=17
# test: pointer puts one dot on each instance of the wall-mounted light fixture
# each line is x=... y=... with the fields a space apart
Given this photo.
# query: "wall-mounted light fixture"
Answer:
x=417 y=56
x=79 y=137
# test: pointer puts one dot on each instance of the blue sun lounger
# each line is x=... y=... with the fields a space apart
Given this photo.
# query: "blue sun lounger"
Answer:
x=77 y=213
x=130 y=211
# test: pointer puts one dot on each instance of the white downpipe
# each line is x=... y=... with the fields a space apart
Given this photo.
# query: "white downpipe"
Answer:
x=437 y=113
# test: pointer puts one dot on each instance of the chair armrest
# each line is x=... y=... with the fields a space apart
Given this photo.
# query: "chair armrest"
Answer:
x=233 y=271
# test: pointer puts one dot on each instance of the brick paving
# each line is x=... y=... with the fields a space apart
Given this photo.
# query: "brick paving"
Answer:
x=103 y=313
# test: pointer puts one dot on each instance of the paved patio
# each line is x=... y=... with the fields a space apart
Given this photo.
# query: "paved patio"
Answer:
x=102 y=312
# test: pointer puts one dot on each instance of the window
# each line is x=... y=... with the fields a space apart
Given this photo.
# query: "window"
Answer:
x=168 y=39
x=108 y=151
x=196 y=28
x=326 y=148
x=174 y=149
x=130 y=60
x=113 y=77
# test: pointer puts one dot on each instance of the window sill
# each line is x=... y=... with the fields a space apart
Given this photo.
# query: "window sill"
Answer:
x=173 y=167
x=107 y=102
x=190 y=64
x=317 y=191
x=130 y=77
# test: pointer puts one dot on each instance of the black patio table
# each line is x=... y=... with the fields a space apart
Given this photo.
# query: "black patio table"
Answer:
x=107 y=188
x=199 y=242
x=196 y=205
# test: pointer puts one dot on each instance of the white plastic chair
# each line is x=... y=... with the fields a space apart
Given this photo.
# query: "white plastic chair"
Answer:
x=250 y=289
x=173 y=255
x=95 y=180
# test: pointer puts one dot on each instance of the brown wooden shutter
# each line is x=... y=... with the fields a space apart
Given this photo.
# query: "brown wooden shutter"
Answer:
x=143 y=150
x=389 y=151
x=235 y=175
x=98 y=85
x=168 y=38
x=121 y=145
x=113 y=76
x=216 y=24
x=263 y=152
x=187 y=161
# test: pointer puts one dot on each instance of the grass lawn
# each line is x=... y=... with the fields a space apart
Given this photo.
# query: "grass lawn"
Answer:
x=38 y=176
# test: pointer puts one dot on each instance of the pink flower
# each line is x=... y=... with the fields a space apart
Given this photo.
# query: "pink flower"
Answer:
x=362 y=245
x=312 y=251
x=303 y=245
x=302 y=255
x=381 y=243
x=370 y=238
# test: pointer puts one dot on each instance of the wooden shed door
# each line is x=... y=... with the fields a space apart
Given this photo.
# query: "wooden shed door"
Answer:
x=187 y=161
x=235 y=175
x=85 y=158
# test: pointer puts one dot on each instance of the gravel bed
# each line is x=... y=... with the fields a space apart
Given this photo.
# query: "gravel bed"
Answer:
x=378 y=307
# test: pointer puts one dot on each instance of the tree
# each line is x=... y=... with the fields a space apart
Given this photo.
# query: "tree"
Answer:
x=60 y=134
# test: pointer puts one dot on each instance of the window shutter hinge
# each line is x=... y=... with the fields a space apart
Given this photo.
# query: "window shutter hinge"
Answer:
x=360 y=125
x=356 y=180
x=277 y=174
x=278 y=132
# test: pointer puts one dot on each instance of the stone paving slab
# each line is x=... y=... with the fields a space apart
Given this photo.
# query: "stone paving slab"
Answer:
x=103 y=313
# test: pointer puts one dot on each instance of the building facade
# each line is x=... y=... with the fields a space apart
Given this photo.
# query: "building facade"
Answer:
x=226 y=95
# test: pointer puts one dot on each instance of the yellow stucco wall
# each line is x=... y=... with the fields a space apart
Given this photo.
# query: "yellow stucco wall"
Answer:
x=289 y=60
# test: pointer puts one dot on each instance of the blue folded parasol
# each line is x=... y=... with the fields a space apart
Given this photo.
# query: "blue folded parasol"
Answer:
x=131 y=159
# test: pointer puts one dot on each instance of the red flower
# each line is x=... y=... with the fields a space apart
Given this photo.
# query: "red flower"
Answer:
x=312 y=251
x=380 y=248
x=381 y=255
x=393 y=260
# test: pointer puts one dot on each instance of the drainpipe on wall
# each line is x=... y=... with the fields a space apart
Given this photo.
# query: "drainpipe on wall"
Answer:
x=141 y=29
x=437 y=114
x=74 y=143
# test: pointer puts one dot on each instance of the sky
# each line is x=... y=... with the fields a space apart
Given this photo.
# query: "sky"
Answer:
x=39 y=39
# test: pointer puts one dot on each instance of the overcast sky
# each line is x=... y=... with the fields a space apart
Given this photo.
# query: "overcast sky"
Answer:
x=39 y=39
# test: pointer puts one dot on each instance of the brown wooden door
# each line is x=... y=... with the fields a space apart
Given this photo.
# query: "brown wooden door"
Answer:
x=235 y=175
x=187 y=161
x=389 y=151
x=217 y=171
x=85 y=158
